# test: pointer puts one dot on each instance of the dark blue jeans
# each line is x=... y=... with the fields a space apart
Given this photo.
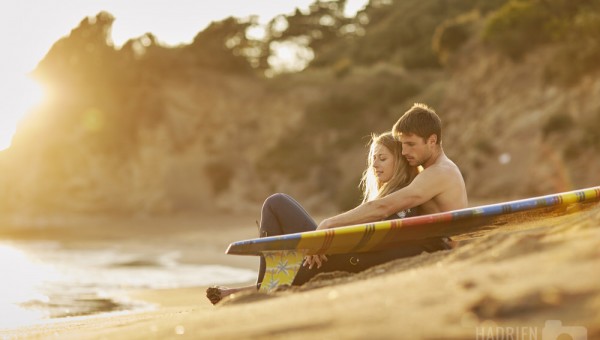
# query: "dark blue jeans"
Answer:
x=282 y=215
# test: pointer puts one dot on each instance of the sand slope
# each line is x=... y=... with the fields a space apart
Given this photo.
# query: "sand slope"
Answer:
x=506 y=281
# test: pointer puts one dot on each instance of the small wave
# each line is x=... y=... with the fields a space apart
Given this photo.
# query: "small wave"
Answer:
x=64 y=282
x=137 y=263
x=68 y=306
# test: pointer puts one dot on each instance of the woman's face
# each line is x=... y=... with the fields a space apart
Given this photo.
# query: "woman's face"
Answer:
x=383 y=163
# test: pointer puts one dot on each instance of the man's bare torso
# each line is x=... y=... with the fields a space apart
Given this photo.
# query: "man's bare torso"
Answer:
x=454 y=194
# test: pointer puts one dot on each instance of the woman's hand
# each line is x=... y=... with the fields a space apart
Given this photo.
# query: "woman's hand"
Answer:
x=312 y=260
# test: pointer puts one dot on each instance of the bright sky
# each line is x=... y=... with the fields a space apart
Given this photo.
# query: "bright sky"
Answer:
x=28 y=28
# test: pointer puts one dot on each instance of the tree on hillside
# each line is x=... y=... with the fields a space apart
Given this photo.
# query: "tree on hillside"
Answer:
x=323 y=26
x=222 y=46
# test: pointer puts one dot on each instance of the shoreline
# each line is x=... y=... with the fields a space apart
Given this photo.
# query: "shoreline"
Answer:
x=135 y=244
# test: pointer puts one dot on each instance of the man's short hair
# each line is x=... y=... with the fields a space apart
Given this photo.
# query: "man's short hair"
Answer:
x=420 y=120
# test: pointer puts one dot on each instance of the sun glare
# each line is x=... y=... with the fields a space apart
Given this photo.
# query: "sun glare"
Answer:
x=172 y=25
x=20 y=285
x=25 y=94
x=290 y=56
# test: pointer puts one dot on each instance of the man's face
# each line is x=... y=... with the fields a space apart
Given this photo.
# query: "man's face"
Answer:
x=416 y=150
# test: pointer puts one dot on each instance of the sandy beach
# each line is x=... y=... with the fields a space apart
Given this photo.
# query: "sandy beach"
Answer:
x=140 y=139
x=528 y=279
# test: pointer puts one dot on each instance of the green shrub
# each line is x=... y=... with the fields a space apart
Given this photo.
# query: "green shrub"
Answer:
x=572 y=25
x=485 y=147
x=573 y=150
x=342 y=67
x=219 y=173
x=517 y=27
x=591 y=128
x=580 y=54
x=558 y=122
x=450 y=35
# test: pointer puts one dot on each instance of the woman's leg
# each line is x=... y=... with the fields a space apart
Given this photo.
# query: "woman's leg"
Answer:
x=282 y=215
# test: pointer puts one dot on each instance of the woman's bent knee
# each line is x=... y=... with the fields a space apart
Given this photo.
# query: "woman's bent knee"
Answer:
x=275 y=200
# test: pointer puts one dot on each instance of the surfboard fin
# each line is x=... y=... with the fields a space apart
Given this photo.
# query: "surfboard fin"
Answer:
x=282 y=267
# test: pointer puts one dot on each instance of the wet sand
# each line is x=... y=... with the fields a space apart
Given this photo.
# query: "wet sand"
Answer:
x=519 y=279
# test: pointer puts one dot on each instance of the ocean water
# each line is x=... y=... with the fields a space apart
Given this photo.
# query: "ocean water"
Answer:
x=46 y=280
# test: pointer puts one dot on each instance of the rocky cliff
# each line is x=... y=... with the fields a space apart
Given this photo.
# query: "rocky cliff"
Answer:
x=146 y=129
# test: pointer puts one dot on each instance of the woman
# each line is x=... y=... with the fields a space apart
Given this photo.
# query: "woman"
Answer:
x=387 y=172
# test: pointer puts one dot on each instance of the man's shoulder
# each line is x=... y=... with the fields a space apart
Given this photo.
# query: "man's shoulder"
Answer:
x=445 y=166
x=451 y=186
x=446 y=174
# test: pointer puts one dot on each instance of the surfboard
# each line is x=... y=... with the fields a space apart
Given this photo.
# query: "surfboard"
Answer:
x=284 y=254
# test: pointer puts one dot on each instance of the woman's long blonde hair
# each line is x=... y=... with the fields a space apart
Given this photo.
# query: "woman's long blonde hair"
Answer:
x=403 y=172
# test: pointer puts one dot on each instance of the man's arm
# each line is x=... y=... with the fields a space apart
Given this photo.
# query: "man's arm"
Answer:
x=428 y=184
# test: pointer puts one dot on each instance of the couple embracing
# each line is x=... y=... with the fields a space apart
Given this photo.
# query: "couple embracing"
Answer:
x=408 y=174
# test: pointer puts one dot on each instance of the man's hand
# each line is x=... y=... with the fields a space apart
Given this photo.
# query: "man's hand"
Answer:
x=325 y=224
x=312 y=260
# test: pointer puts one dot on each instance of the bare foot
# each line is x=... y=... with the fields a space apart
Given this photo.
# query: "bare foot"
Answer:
x=451 y=243
x=217 y=293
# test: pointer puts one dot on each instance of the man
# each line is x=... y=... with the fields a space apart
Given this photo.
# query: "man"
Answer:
x=437 y=188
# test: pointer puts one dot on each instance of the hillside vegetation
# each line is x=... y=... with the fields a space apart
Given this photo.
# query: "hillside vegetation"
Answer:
x=149 y=129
